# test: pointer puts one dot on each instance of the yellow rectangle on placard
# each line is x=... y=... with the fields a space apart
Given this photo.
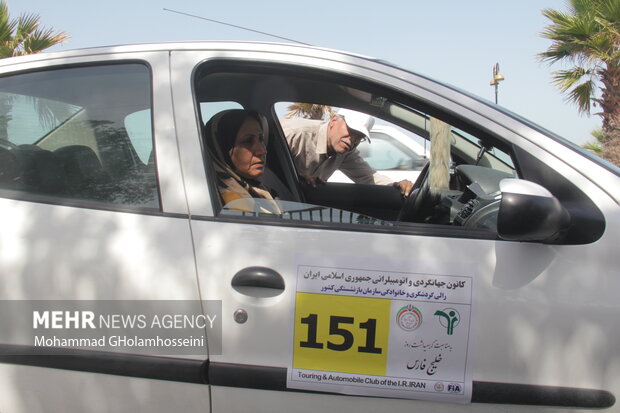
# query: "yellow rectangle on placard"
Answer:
x=341 y=334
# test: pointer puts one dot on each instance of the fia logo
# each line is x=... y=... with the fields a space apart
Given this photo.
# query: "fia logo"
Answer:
x=448 y=318
x=453 y=388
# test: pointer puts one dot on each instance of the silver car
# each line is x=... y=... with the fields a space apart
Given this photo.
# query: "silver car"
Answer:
x=128 y=284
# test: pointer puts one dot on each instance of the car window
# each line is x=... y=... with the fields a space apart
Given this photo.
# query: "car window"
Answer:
x=459 y=165
x=208 y=109
x=387 y=153
x=140 y=133
x=80 y=134
x=25 y=120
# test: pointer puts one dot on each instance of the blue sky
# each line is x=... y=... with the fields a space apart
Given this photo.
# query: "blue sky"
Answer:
x=454 y=41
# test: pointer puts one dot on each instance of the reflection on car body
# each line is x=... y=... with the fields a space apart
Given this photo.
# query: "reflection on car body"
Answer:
x=492 y=287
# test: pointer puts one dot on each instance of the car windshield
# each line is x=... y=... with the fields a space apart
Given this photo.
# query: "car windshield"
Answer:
x=419 y=123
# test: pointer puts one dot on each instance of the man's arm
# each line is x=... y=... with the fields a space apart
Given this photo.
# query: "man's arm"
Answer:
x=358 y=170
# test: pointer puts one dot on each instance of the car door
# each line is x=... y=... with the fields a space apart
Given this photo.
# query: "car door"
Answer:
x=93 y=220
x=524 y=323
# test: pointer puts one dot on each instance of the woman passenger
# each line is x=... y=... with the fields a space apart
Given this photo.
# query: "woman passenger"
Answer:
x=237 y=143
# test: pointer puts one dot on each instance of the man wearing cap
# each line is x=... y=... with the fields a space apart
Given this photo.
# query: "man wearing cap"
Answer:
x=320 y=148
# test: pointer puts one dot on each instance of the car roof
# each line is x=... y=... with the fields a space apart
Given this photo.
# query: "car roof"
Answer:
x=182 y=46
x=336 y=56
x=446 y=90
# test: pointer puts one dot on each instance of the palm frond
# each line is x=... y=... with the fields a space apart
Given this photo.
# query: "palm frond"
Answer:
x=570 y=51
x=6 y=50
x=602 y=47
x=309 y=111
x=26 y=24
x=581 y=95
x=582 y=6
x=42 y=39
x=569 y=28
x=566 y=79
x=594 y=147
x=7 y=26
x=574 y=38
x=24 y=35
x=557 y=17
x=586 y=36
x=598 y=134
x=609 y=15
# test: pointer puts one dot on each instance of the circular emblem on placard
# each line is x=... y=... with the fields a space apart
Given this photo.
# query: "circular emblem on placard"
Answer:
x=439 y=387
x=409 y=318
x=448 y=318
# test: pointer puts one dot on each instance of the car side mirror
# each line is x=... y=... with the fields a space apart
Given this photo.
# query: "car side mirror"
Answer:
x=529 y=212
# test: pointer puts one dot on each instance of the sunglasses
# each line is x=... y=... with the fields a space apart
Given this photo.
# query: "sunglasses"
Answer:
x=356 y=137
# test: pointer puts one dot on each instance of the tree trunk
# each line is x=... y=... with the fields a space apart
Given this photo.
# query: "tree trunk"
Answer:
x=611 y=147
x=5 y=115
x=610 y=103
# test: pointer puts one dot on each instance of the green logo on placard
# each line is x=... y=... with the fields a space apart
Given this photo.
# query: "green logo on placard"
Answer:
x=449 y=318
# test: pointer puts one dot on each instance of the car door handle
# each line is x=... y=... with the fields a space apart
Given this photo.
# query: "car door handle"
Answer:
x=258 y=282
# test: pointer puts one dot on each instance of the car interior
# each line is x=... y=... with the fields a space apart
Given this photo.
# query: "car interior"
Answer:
x=458 y=187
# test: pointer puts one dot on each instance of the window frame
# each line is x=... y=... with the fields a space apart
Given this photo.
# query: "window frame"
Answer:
x=342 y=78
x=61 y=200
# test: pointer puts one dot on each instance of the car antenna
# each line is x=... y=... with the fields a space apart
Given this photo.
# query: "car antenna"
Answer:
x=235 y=26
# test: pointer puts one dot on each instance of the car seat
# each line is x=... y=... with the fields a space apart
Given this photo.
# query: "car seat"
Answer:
x=83 y=170
x=41 y=170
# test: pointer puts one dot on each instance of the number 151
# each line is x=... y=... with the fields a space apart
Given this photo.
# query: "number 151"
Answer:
x=336 y=329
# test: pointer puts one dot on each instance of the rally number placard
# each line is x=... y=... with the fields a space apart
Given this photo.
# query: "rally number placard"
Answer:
x=385 y=334
x=346 y=334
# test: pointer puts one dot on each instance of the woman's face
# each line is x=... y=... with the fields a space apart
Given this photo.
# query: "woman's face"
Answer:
x=249 y=153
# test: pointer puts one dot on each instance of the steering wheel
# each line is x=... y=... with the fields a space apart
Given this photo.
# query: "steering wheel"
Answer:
x=413 y=207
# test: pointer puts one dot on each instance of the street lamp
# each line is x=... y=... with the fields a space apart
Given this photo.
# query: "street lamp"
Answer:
x=497 y=77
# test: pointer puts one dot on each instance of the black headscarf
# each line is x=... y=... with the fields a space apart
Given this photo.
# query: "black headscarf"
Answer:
x=220 y=134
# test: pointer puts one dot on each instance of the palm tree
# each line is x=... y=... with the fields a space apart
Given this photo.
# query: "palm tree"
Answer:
x=595 y=146
x=23 y=35
x=587 y=37
x=19 y=37
x=309 y=111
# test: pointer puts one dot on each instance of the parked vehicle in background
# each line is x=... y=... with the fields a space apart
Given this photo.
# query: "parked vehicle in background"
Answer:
x=392 y=153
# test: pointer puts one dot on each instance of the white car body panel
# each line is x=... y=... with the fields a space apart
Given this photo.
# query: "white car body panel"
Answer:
x=56 y=252
x=544 y=314
x=75 y=391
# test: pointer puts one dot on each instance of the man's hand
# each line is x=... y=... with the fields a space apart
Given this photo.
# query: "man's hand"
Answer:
x=313 y=181
x=405 y=186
